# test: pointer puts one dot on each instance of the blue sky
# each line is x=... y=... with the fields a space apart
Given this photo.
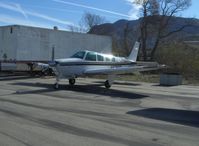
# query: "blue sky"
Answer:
x=61 y=13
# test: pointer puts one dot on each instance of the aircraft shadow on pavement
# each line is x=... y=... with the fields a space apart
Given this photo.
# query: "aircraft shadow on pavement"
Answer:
x=183 y=117
x=121 y=83
x=93 y=89
x=10 y=78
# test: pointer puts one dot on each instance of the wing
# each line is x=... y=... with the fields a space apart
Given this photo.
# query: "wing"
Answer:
x=121 y=70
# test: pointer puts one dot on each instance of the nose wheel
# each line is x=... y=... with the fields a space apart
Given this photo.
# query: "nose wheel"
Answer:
x=107 y=84
x=71 y=81
x=56 y=86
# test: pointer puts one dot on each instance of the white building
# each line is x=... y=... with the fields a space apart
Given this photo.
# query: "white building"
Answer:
x=31 y=44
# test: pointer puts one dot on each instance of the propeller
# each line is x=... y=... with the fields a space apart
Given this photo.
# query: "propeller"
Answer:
x=53 y=63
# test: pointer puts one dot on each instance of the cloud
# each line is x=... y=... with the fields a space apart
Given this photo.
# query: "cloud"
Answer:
x=134 y=11
x=17 y=8
x=92 y=8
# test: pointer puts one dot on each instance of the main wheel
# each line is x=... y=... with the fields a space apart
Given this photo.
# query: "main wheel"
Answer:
x=72 y=81
x=56 y=86
x=107 y=84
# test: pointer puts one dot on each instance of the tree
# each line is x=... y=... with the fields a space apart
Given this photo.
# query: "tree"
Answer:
x=173 y=55
x=87 y=21
x=77 y=28
x=128 y=38
x=163 y=10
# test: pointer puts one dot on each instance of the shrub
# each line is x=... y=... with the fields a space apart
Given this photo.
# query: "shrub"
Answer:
x=180 y=58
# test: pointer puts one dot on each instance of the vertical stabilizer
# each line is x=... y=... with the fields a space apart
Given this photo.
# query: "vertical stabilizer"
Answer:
x=134 y=53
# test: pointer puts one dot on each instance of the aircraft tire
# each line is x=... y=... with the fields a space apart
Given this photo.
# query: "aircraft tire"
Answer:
x=72 y=81
x=56 y=86
x=107 y=84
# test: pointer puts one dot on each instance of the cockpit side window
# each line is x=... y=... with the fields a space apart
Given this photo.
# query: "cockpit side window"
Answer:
x=100 y=57
x=91 y=56
x=79 y=54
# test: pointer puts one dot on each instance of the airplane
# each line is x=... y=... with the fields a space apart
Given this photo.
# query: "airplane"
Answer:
x=85 y=63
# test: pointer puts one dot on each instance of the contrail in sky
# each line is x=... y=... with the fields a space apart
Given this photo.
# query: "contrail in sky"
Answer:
x=14 y=7
x=92 y=8
x=17 y=8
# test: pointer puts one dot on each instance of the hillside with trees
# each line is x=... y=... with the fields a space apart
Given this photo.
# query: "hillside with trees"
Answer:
x=124 y=33
x=172 y=50
x=158 y=22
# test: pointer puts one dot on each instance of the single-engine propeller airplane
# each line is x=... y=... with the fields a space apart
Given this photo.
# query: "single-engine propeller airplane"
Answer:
x=85 y=63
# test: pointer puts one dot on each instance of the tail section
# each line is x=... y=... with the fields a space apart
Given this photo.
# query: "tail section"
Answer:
x=134 y=53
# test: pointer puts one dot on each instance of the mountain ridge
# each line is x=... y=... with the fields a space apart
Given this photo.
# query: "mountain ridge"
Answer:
x=123 y=31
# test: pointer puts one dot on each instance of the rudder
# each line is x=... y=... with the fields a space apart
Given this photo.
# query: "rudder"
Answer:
x=134 y=52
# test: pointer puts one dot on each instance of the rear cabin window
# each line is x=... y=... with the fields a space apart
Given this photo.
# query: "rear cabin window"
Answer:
x=108 y=59
x=91 y=56
x=100 y=58
x=79 y=55
x=113 y=59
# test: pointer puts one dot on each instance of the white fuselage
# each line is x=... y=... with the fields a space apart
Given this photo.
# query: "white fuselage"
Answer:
x=74 y=67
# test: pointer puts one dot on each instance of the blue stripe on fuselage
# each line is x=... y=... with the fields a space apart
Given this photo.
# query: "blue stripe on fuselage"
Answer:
x=96 y=63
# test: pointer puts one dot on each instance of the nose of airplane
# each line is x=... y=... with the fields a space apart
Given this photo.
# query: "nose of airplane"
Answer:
x=53 y=63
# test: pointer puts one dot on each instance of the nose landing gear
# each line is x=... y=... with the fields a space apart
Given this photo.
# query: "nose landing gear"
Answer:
x=56 y=86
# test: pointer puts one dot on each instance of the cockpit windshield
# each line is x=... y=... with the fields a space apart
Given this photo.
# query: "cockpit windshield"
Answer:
x=79 y=54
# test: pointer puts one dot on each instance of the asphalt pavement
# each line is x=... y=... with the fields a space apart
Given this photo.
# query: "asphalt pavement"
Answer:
x=32 y=113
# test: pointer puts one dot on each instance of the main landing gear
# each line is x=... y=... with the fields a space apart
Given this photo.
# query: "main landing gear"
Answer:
x=71 y=82
x=107 y=84
x=109 y=81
